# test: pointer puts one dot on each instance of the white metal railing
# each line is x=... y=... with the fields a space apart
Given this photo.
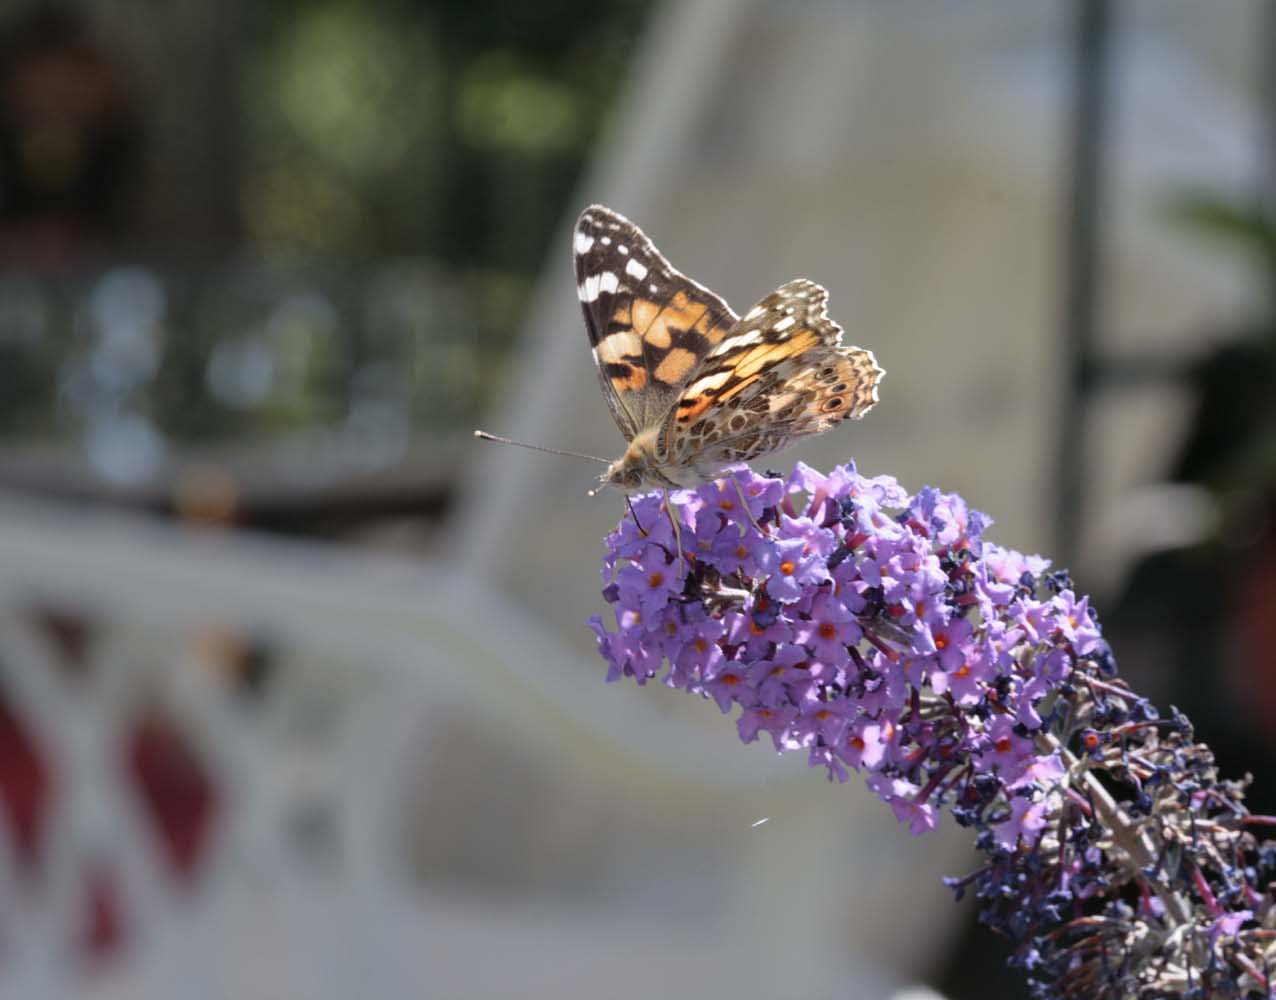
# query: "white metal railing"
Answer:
x=286 y=889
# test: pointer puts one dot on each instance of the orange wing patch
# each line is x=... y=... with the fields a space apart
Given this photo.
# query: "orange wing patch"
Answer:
x=679 y=314
x=676 y=366
x=714 y=334
x=630 y=379
x=689 y=409
x=644 y=313
x=758 y=357
x=683 y=313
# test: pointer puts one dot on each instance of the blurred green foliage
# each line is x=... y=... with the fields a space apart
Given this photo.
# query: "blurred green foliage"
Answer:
x=452 y=132
x=1246 y=226
x=451 y=129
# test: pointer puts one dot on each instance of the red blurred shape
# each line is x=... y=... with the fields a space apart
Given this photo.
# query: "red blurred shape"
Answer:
x=178 y=794
x=101 y=921
x=24 y=785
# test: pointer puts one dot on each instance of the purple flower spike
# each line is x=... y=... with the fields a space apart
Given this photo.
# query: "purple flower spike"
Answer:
x=880 y=633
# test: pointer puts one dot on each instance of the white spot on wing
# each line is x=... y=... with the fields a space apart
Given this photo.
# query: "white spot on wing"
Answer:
x=636 y=270
x=606 y=241
x=583 y=242
x=784 y=324
x=736 y=342
x=596 y=284
x=622 y=248
x=707 y=383
x=755 y=312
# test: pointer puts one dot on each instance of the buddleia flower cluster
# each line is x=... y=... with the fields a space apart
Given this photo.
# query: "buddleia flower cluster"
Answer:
x=878 y=632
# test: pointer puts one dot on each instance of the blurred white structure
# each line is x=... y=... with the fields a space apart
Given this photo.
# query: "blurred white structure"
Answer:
x=433 y=793
x=426 y=779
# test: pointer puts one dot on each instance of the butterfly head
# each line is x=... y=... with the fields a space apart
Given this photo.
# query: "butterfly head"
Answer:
x=636 y=468
x=623 y=475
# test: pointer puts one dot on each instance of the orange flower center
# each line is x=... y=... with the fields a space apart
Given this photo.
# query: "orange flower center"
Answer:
x=828 y=630
x=787 y=567
x=655 y=580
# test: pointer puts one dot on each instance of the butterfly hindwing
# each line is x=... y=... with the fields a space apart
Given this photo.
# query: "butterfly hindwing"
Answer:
x=779 y=373
x=650 y=326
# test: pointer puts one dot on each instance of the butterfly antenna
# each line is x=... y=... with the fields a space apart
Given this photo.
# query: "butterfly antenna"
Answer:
x=485 y=436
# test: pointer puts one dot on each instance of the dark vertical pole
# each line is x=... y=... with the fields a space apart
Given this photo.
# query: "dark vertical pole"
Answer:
x=1084 y=207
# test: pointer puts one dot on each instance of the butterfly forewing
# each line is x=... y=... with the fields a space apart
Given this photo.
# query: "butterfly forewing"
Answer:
x=650 y=326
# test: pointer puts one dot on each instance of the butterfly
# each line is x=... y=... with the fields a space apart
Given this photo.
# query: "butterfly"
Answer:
x=692 y=386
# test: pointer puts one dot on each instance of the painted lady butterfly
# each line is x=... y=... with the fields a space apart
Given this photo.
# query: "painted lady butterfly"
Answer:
x=692 y=386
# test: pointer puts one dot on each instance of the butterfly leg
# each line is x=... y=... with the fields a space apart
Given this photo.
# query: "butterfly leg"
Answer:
x=739 y=490
x=677 y=532
x=634 y=514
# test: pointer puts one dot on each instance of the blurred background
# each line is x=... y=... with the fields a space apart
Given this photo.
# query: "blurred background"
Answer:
x=296 y=699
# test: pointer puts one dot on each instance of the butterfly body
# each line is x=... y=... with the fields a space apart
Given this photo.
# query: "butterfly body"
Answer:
x=645 y=465
x=692 y=386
